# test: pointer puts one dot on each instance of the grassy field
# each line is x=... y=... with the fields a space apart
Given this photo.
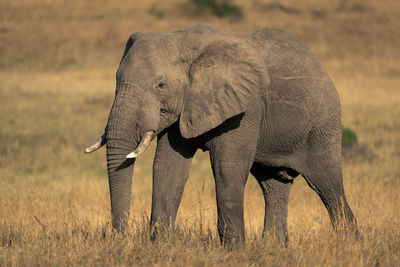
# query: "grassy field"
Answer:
x=57 y=67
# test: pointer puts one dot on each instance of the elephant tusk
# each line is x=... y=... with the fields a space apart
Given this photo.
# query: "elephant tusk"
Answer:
x=96 y=145
x=143 y=145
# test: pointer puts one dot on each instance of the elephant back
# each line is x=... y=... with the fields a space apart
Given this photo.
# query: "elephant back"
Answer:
x=287 y=56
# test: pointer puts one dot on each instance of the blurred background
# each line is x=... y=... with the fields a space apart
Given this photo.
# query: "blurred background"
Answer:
x=60 y=35
x=57 y=74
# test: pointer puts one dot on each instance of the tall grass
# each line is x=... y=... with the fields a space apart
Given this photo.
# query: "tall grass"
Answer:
x=57 y=65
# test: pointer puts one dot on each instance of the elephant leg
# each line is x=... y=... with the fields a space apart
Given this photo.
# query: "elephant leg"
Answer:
x=276 y=195
x=170 y=172
x=324 y=176
x=232 y=155
x=328 y=185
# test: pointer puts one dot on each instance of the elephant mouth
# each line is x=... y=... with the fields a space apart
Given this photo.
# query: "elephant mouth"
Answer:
x=142 y=146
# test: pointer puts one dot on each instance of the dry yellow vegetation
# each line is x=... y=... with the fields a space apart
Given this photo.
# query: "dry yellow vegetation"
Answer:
x=57 y=66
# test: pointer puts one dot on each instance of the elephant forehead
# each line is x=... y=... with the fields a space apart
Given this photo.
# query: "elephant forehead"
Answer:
x=158 y=46
x=141 y=70
x=151 y=61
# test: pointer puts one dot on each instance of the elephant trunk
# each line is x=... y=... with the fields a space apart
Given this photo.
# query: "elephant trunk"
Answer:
x=120 y=171
x=131 y=125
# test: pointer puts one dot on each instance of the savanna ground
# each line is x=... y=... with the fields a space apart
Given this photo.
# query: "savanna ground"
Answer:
x=57 y=65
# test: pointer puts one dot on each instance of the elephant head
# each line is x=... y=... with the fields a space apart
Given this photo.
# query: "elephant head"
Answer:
x=198 y=77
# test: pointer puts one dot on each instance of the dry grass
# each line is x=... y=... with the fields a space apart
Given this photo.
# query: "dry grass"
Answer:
x=57 y=65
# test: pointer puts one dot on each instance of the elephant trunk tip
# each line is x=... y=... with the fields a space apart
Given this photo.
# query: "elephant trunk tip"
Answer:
x=96 y=145
x=143 y=145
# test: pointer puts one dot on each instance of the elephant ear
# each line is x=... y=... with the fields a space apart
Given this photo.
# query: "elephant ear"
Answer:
x=224 y=79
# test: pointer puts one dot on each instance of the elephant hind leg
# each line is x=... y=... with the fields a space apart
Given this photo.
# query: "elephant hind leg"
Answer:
x=324 y=176
x=322 y=170
x=276 y=188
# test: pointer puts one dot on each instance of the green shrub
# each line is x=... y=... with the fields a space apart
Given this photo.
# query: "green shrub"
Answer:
x=156 y=12
x=220 y=8
x=349 y=137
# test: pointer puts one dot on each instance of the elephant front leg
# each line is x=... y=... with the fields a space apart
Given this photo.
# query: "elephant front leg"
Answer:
x=232 y=155
x=230 y=193
x=170 y=172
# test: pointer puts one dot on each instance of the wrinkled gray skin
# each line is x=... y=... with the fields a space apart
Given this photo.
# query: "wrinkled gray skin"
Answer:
x=259 y=102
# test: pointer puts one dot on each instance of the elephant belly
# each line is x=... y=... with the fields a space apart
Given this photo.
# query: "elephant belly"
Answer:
x=300 y=94
x=284 y=132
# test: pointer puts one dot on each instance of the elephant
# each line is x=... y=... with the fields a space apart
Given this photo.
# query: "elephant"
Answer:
x=260 y=103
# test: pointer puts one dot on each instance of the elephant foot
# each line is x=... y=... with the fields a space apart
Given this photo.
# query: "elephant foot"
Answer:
x=276 y=237
x=232 y=243
x=161 y=233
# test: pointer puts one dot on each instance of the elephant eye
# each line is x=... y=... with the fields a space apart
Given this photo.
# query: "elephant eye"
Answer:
x=161 y=84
